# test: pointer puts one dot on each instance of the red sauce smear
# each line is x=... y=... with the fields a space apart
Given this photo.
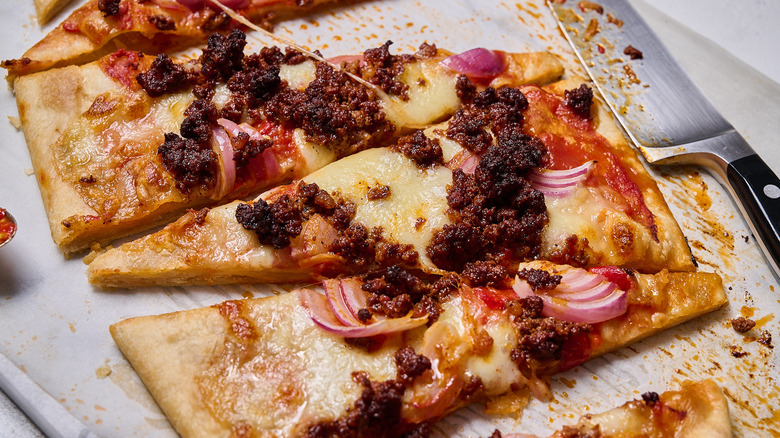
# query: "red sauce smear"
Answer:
x=123 y=66
x=572 y=140
x=7 y=227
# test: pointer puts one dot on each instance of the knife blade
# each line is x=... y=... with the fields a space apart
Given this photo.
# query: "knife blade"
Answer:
x=663 y=112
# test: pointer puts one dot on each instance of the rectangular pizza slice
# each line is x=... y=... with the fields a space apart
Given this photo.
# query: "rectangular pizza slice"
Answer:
x=129 y=141
x=515 y=175
x=388 y=353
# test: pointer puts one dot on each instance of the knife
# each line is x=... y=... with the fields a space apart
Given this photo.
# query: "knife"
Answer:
x=47 y=413
x=665 y=115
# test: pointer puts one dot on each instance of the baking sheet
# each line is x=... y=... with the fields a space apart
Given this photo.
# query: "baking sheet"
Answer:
x=54 y=325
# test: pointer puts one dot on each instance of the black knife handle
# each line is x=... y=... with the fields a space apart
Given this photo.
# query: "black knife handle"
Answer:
x=759 y=190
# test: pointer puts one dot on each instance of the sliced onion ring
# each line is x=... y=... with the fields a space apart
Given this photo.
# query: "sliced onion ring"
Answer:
x=477 y=63
x=560 y=182
x=316 y=305
x=354 y=296
x=337 y=304
x=227 y=180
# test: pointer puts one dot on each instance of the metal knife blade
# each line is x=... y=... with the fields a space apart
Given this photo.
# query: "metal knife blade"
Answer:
x=664 y=113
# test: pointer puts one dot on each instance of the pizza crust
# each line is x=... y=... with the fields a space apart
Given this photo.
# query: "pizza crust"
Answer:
x=47 y=9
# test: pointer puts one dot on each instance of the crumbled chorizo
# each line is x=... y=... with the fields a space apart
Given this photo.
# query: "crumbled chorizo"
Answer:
x=633 y=52
x=109 y=7
x=485 y=273
x=163 y=23
x=424 y=151
x=742 y=325
x=273 y=223
x=381 y=69
x=410 y=364
x=165 y=76
x=579 y=100
x=540 y=279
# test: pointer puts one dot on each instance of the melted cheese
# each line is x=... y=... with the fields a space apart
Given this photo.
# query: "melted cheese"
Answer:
x=414 y=193
x=298 y=76
x=432 y=95
x=314 y=156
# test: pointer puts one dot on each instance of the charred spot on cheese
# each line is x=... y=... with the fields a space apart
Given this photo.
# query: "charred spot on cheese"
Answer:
x=574 y=251
x=579 y=100
x=539 y=279
x=381 y=69
x=376 y=413
x=499 y=110
x=273 y=223
x=424 y=151
x=165 y=76
x=497 y=214
x=190 y=158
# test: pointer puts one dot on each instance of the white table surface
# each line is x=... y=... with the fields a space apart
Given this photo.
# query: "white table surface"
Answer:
x=746 y=29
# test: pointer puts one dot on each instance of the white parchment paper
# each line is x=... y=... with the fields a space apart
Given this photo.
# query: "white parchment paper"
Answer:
x=54 y=325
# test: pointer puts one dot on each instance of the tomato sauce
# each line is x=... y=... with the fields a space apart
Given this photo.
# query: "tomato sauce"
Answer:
x=572 y=140
x=7 y=227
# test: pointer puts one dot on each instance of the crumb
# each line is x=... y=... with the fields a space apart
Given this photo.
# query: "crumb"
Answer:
x=737 y=352
x=29 y=172
x=633 y=52
x=15 y=122
x=742 y=325
x=766 y=339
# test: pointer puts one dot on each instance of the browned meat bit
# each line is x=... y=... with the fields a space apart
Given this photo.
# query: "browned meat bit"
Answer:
x=424 y=151
x=388 y=254
x=633 y=52
x=199 y=216
x=528 y=307
x=109 y=7
x=223 y=56
x=485 y=273
x=191 y=163
x=445 y=286
x=465 y=89
x=381 y=69
x=483 y=343
x=190 y=159
x=501 y=110
x=737 y=352
x=356 y=245
x=472 y=388
x=427 y=306
x=376 y=413
x=540 y=279
x=766 y=339
x=200 y=116
x=377 y=192
x=579 y=100
x=163 y=23
x=498 y=215
x=165 y=76
x=584 y=431
x=259 y=76
x=273 y=223
x=542 y=341
x=742 y=325
x=410 y=364
x=315 y=200
x=393 y=291
x=650 y=398
x=427 y=50
x=246 y=148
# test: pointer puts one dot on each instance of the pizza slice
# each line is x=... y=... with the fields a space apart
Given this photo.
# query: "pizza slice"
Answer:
x=390 y=352
x=100 y=27
x=47 y=9
x=130 y=141
x=515 y=175
x=697 y=409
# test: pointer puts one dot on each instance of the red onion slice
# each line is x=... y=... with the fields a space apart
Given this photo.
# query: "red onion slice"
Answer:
x=579 y=298
x=337 y=305
x=316 y=305
x=590 y=312
x=469 y=165
x=435 y=400
x=560 y=182
x=477 y=63
x=354 y=296
x=227 y=180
